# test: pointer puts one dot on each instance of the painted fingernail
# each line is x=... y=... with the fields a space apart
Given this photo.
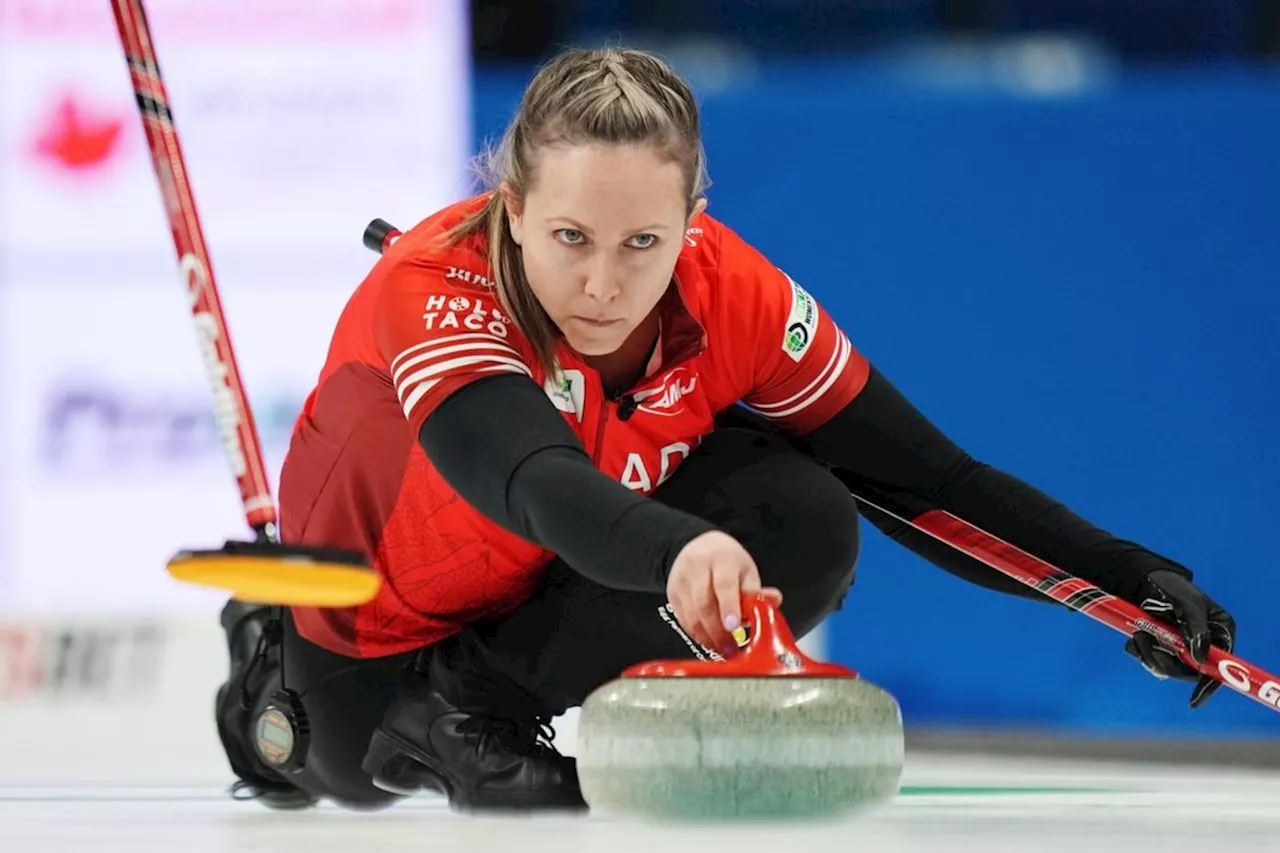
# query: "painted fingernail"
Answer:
x=730 y=623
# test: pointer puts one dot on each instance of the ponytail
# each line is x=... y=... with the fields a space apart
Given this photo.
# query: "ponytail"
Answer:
x=514 y=294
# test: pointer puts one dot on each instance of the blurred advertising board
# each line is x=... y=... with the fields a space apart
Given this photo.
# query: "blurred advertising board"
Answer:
x=111 y=701
x=113 y=456
x=300 y=121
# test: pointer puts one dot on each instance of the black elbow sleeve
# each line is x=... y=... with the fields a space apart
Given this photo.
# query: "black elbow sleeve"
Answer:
x=480 y=436
x=506 y=451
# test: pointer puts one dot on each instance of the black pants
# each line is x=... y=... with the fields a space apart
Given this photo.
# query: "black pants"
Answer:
x=796 y=519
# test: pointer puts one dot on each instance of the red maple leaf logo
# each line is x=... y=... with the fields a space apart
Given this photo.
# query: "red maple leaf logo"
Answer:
x=77 y=140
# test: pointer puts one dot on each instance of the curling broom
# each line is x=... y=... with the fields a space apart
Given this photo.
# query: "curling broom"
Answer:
x=261 y=571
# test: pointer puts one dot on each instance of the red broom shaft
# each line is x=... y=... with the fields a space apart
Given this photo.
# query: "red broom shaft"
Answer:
x=232 y=414
x=1084 y=597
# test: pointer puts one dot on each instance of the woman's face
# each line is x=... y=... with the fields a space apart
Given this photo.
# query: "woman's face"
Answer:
x=600 y=230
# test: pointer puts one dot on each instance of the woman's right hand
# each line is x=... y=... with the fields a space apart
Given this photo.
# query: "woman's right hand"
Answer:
x=705 y=588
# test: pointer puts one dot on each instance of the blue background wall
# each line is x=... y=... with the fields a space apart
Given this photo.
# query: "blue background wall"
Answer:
x=1080 y=290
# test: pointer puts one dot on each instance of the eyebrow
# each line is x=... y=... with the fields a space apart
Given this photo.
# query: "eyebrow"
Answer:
x=578 y=226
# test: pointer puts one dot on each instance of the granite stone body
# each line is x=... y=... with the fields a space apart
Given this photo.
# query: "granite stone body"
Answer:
x=739 y=748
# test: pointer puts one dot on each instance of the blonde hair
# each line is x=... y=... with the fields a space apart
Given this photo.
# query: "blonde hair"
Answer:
x=609 y=95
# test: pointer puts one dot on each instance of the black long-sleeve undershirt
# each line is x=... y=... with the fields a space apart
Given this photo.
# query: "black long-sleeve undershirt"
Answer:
x=886 y=451
x=507 y=451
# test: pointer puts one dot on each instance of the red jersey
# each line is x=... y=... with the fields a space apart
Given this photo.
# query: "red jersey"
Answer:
x=426 y=321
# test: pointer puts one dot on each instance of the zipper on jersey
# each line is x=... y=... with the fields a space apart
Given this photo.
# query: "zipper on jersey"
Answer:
x=607 y=406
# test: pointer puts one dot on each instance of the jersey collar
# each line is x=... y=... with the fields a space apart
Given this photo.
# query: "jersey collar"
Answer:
x=683 y=337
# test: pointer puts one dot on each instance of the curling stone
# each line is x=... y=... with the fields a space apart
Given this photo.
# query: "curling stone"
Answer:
x=767 y=734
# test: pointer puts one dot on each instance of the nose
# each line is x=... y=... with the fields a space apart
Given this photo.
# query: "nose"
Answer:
x=602 y=279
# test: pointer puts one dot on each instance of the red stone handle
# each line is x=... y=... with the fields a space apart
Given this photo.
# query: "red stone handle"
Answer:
x=771 y=651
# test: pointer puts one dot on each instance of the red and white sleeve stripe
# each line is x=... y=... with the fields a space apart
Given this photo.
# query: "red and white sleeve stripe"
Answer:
x=422 y=367
x=802 y=409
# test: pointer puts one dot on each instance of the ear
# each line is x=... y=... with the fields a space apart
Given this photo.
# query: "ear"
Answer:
x=698 y=207
x=515 y=212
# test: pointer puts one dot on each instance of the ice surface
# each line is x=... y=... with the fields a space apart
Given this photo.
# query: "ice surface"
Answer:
x=947 y=804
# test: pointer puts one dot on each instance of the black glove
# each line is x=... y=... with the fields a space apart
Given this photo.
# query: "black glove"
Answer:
x=1171 y=598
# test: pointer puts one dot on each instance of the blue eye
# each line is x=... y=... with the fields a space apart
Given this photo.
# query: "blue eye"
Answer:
x=643 y=241
x=570 y=236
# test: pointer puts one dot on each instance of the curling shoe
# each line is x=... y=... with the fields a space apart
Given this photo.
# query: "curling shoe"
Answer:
x=253 y=642
x=438 y=735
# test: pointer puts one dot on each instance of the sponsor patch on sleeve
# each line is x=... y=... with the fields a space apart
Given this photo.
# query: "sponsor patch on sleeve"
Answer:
x=802 y=323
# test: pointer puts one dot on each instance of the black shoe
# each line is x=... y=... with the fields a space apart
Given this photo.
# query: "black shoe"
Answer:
x=479 y=759
x=480 y=762
x=253 y=644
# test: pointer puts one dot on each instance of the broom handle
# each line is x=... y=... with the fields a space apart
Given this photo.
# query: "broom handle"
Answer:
x=232 y=415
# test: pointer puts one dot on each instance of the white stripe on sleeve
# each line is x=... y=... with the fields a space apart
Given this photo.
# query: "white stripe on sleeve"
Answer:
x=810 y=394
x=421 y=367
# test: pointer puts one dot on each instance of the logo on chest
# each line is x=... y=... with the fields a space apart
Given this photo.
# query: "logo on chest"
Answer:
x=668 y=399
x=567 y=392
x=644 y=472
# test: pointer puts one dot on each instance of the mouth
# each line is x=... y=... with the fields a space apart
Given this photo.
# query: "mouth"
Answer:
x=597 y=324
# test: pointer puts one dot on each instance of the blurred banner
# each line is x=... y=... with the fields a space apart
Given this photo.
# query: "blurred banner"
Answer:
x=111 y=701
x=300 y=122
x=114 y=459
